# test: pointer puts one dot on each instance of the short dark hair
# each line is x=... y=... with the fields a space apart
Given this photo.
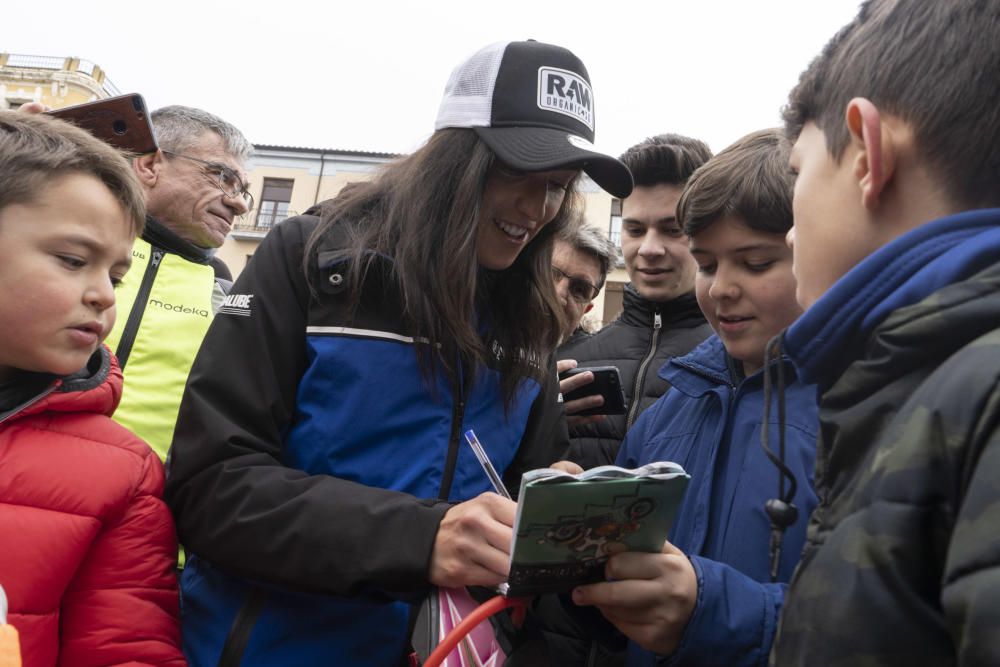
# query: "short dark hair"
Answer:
x=665 y=158
x=36 y=149
x=591 y=241
x=749 y=180
x=930 y=63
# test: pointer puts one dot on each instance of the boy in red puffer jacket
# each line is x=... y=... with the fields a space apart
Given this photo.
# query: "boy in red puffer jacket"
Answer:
x=90 y=548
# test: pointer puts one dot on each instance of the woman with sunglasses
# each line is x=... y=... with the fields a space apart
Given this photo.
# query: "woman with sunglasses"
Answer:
x=317 y=474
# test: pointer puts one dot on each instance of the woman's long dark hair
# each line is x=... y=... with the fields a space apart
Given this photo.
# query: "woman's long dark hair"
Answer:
x=422 y=211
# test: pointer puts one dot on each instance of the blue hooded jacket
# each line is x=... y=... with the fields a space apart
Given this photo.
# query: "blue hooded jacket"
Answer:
x=710 y=423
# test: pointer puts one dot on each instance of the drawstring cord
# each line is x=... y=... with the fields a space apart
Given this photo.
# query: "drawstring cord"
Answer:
x=781 y=511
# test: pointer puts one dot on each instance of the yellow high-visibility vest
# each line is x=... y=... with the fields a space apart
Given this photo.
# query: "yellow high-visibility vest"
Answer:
x=164 y=310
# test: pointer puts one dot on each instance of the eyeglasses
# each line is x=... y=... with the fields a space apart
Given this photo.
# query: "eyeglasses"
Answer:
x=579 y=289
x=224 y=178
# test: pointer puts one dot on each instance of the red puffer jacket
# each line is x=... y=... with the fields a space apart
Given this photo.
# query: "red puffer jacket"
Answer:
x=88 y=546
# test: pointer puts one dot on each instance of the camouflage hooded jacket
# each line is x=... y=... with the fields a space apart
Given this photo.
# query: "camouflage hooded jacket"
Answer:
x=902 y=559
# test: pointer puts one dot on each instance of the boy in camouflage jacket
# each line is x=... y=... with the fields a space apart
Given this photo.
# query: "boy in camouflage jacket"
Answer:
x=896 y=129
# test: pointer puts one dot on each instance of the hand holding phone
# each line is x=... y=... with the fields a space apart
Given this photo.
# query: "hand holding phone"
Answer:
x=606 y=383
x=120 y=121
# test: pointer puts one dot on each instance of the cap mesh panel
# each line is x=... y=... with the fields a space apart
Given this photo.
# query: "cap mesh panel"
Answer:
x=468 y=97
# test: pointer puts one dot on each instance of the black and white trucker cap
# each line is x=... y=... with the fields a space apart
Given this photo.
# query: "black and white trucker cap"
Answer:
x=532 y=104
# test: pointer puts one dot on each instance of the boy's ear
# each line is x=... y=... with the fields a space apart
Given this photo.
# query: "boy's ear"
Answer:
x=148 y=168
x=874 y=163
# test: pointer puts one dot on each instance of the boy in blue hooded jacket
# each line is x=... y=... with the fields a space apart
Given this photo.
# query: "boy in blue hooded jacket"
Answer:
x=713 y=595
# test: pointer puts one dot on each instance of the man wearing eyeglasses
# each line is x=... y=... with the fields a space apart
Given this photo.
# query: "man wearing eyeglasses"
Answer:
x=195 y=187
x=581 y=259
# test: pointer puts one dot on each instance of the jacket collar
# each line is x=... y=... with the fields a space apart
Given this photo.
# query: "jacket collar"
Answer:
x=833 y=332
x=156 y=234
x=95 y=388
x=639 y=312
x=578 y=334
x=709 y=366
x=25 y=388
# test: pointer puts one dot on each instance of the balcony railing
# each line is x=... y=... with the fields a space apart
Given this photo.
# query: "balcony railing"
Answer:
x=261 y=222
x=86 y=67
x=34 y=62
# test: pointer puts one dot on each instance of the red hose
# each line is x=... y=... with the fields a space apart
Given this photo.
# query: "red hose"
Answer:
x=478 y=615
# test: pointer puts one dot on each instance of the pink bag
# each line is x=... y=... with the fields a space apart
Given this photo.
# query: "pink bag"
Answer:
x=441 y=612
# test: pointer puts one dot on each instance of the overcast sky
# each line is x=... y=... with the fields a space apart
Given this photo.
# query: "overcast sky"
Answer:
x=368 y=74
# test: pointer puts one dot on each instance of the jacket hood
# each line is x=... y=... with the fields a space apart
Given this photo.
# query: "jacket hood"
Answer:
x=937 y=255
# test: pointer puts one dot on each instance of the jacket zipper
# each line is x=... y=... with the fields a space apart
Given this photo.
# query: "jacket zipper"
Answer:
x=31 y=401
x=640 y=376
x=138 y=308
x=243 y=624
x=457 y=415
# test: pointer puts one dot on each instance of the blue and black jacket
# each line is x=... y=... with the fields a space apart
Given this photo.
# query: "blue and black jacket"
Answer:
x=710 y=423
x=312 y=463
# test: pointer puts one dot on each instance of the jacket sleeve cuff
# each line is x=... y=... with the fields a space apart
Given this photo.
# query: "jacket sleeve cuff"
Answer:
x=734 y=619
x=410 y=567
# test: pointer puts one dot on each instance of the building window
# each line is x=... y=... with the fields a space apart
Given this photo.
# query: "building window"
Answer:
x=614 y=301
x=274 y=200
x=615 y=226
x=615 y=231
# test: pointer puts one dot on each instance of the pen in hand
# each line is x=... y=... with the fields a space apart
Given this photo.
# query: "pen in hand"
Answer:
x=484 y=461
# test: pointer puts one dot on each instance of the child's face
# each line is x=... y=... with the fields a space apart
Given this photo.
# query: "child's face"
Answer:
x=829 y=236
x=745 y=287
x=60 y=258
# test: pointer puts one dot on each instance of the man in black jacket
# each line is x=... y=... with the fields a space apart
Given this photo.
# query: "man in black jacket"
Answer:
x=661 y=318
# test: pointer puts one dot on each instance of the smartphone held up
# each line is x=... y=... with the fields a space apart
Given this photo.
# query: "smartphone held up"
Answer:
x=607 y=383
x=121 y=121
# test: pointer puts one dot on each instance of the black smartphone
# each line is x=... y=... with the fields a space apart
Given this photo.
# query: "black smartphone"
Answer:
x=120 y=121
x=607 y=382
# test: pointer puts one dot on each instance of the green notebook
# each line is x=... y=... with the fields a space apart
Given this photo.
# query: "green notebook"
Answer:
x=567 y=526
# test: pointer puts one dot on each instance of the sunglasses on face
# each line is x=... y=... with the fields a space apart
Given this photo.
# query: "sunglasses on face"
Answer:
x=579 y=289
